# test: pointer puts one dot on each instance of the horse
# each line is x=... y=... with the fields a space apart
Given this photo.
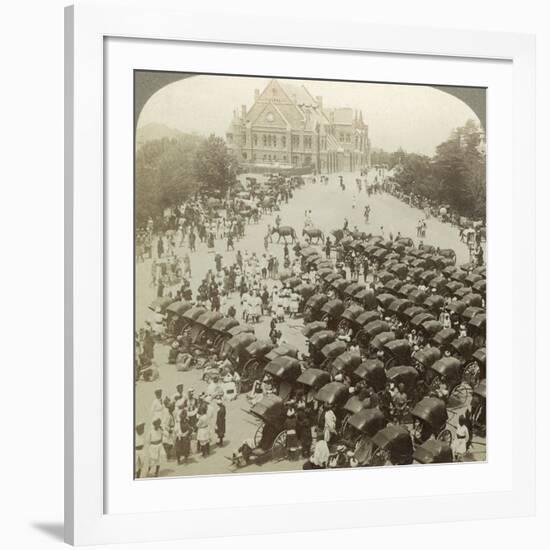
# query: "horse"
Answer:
x=284 y=231
x=314 y=234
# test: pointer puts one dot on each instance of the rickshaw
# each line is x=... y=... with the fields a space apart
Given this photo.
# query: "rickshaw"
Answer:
x=461 y=292
x=380 y=254
x=333 y=276
x=448 y=253
x=174 y=319
x=339 y=286
x=400 y=270
x=444 y=379
x=393 y=445
x=405 y=241
x=472 y=279
x=254 y=360
x=473 y=300
x=284 y=371
x=311 y=328
x=372 y=329
x=480 y=287
x=411 y=312
x=462 y=348
x=306 y=291
x=317 y=342
x=456 y=309
x=351 y=290
x=191 y=315
x=270 y=437
x=449 y=270
x=451 y=287
x=385 y=300
x=204 y=338
x=312 y=309
x=408 y=376
x=349 y=317
x=438 y=284
x=470 y=312
x=430 y=328
x=427 y=248
x=393 y=286
x=331 y=351
x=334 y=395
x=419 y=263
x=434 y=303
x=459 y=275
x=418 y=296
x=443 y=338
x=312 y=380
x=358 y=432
x=433 y=451
x=373 y=373
x=345 y=363
x=366 y=298
x=221 y=331
x=236 y=348
x=430 y=420
x=396 y=352
x=479 y=408
x=282 y=350
x=379 y=341
x=161 y=303
x=476 y=368
x=415 y=273
x=331 y=312
x=420 y=318
x=423 y=359
x=406 y=289
x=399 y=306
x=427 y=276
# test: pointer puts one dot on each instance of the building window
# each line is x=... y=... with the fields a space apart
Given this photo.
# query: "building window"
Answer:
x=283 y=141
x=264 y=140
x=348 y=138
x=307 y=142
x=244 y=139
x=295 y=141
x=255 y=138
x=294 y=160
x=244 y=156
x=341 y=137
x=284 y=158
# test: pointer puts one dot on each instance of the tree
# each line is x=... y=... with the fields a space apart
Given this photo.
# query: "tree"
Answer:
x=164 y=175
x=215 y=166
x=454 y=176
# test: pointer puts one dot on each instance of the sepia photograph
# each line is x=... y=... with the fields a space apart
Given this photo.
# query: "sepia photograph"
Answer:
x=309 y=276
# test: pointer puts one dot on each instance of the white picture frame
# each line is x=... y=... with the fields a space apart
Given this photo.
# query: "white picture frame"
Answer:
x=90 y=518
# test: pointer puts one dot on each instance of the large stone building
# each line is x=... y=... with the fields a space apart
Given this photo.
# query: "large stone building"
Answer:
x=287 y=127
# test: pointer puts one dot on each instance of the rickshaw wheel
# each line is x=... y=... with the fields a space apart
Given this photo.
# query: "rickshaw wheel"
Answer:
x=459 y=395
x=391 y=362
x=472 y=374
x=218 y=341
x=258 y=435
x=446 y=436
x=378 y=458
x=278 y=449
x=345 y=423
x=249 y=373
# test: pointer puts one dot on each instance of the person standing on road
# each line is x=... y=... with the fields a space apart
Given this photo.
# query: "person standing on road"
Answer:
x=155 y=447
x=328 y=246
x=220 y=421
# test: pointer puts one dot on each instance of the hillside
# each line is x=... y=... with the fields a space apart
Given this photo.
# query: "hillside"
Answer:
x=153 y=131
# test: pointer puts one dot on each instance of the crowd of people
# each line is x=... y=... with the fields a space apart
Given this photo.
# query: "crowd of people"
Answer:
x=251 y=287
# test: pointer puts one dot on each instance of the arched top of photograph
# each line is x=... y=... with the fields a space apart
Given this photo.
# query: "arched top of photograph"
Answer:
x=288 y=233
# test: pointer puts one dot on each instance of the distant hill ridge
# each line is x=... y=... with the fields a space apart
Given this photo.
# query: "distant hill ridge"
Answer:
x=153 y=131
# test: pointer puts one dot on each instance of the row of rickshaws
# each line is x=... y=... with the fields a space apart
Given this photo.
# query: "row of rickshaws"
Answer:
x=459 y=361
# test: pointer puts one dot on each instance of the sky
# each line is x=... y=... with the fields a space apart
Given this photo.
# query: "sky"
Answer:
x=414 y=118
